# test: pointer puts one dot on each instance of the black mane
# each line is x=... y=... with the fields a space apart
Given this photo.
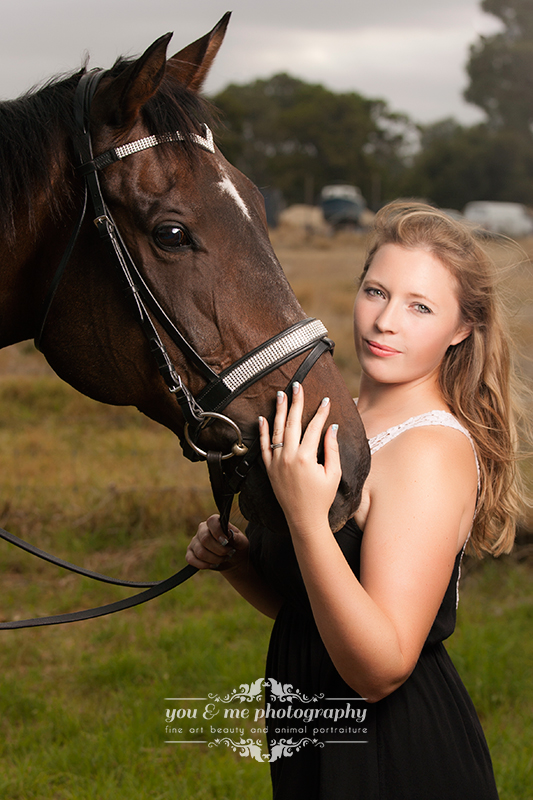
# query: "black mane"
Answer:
x=35 y=131
x=32 y=134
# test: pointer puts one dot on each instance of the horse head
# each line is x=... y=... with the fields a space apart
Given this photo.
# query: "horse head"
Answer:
x=195 y=227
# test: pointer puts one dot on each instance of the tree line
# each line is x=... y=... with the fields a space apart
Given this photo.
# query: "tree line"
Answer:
x=296 y=137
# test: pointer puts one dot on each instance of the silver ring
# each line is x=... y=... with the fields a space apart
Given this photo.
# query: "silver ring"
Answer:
x=275 y=446
x=238 y=449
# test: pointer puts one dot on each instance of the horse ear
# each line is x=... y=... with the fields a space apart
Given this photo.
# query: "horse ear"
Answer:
x=191 y=65
x=120 y=101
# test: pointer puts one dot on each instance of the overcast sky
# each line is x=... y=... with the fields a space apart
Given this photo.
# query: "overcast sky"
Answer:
x=412 y=53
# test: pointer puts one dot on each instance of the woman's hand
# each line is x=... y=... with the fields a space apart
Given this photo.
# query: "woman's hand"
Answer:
x=211 y=548
x=305 y=489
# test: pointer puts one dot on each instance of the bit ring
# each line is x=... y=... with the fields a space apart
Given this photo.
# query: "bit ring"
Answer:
x=238 y=449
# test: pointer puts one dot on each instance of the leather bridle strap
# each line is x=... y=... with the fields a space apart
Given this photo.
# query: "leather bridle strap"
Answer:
x=52 y=289
x=59 y=562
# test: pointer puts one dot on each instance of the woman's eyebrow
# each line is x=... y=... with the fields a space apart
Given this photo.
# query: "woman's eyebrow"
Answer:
x=418 y=296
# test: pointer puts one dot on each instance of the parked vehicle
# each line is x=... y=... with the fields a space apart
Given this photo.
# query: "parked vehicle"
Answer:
x=342 y=205
x=510 y=219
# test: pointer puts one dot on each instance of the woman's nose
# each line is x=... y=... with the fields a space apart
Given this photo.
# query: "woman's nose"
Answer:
x=388 y=319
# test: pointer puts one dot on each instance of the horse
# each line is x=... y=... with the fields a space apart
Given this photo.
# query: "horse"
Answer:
x=199 y=298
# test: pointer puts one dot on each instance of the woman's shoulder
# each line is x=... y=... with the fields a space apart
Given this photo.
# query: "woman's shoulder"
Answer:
x=425 y=460
x=422 y=445
x=434 y=461
x=427 y=470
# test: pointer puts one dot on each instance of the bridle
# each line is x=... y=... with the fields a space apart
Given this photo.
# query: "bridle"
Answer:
x=307 y=335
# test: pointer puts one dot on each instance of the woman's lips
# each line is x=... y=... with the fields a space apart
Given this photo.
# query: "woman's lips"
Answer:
x=381 y=349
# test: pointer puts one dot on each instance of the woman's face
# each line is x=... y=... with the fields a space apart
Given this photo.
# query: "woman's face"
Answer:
x=406 y=315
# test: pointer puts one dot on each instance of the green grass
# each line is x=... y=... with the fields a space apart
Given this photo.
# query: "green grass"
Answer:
x=493 y=651
x=82 y=708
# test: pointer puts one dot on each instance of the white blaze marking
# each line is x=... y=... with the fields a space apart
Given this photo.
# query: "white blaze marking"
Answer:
x=227 y=186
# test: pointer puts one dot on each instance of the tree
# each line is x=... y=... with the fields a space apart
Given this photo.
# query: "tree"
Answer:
x=457 y=164
x=492 y=160
x=501 y=67
x=297 y=137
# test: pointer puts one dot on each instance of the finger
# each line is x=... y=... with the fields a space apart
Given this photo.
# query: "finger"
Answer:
x=211 y=539
x=293 y=427
x=203 y=558
x=240 y=540
x=217 y=533
x=313 y=432
x=332 y=460
x=264 y=442
x=280 y=419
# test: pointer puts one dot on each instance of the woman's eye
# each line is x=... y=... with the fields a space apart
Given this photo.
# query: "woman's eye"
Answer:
x=371 y=291
x=422 y=308
x=171 y=237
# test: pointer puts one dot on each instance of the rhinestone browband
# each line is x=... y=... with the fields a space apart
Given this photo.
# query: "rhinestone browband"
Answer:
x=117 y=153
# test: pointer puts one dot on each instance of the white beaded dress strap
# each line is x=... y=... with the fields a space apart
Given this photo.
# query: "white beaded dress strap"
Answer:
x=429 y=418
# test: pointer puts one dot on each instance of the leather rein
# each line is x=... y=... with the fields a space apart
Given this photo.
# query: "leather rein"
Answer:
x=307 y=335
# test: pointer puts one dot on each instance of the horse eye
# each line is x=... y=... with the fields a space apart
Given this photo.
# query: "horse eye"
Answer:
x=171 y=237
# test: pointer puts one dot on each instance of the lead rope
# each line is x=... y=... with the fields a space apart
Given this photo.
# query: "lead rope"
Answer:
x=224 y=503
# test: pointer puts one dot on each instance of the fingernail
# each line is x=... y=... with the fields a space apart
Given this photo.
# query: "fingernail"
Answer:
x=325 y=402
x=280 y=396
x=260 y=421
x=223 y=541
x=334 y=428
x=295 y=387
x=231 y=553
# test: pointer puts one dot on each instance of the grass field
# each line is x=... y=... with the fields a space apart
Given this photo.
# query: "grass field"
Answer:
x=82 y=707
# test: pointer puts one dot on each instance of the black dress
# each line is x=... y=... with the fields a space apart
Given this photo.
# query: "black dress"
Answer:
x=422 y=742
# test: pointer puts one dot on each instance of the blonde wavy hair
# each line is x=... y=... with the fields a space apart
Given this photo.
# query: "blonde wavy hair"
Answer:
x=477 y=377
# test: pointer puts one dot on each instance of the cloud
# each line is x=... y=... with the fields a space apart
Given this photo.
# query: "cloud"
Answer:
x=412 y=53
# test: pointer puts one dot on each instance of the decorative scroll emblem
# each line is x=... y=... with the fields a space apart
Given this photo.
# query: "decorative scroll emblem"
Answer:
x=248 y=693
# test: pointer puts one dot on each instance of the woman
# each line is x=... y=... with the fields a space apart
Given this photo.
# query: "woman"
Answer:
x=362 y=613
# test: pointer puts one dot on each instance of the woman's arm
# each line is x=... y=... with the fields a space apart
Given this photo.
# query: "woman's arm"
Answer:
x=374 y=629
x=210 y=549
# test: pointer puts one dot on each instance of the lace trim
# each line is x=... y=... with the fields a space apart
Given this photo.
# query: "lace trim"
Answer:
x=436 y=417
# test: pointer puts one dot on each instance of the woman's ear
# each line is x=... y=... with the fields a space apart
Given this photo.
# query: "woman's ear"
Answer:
x=462 y=333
